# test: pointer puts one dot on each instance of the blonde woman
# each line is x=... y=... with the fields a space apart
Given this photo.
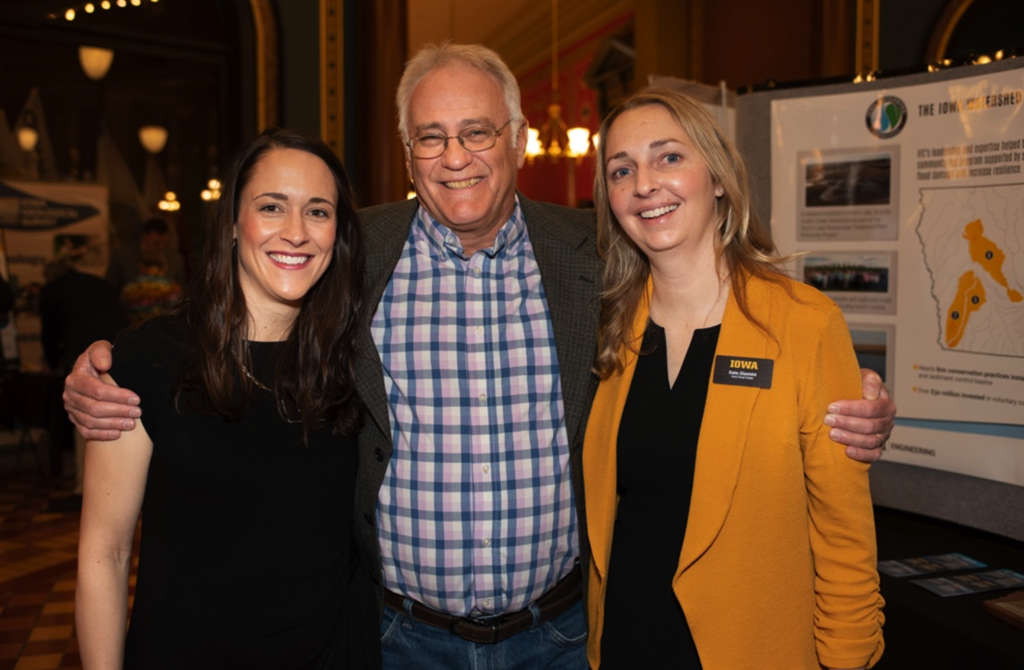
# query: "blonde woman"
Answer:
x=727 y=530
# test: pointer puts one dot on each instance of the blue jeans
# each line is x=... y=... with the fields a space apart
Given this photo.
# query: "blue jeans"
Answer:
x=559 y=644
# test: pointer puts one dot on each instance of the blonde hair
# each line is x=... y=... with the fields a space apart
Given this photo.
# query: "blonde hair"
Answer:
x=741 y=240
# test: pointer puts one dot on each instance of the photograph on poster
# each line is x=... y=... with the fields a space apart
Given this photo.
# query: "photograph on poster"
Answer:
x=848 y=194
x=859 y=282
x=873 y=345
x=853 y=181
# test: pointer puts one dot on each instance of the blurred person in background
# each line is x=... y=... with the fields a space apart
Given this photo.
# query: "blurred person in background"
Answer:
x=76 y=309
x=126 y=262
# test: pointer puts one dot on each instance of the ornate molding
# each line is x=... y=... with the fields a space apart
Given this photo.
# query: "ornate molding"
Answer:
x=944 y=27
x=867 y=36
x=332 y=68
x=268 y=69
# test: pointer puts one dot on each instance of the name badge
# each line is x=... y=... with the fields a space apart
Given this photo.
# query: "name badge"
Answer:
x=738 y=371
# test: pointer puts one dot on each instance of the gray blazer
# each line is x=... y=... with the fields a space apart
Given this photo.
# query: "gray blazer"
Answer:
x=565 y=246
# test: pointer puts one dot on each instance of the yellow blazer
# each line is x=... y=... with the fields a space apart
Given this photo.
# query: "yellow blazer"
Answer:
x=778 y=566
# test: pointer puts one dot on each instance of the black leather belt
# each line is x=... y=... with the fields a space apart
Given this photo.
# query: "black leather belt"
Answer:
x=552 y=604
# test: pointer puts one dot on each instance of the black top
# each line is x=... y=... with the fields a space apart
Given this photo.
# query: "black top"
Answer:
x=247 y=559
x=644 y=626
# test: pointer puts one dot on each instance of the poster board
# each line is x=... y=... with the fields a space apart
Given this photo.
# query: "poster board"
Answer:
x=888 y=221
x=43 y=221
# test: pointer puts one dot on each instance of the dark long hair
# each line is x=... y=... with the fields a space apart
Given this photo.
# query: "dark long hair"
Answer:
x=315 y=377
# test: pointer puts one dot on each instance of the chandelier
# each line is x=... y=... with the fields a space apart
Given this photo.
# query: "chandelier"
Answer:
x=554 y=139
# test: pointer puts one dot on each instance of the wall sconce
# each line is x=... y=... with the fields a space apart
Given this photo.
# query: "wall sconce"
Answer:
x=153 y=138
x=95 y=61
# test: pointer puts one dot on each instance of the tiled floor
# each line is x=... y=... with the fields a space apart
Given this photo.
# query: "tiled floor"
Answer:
x=38 y=560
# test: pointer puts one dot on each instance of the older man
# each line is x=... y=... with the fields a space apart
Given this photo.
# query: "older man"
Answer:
x=475 y=371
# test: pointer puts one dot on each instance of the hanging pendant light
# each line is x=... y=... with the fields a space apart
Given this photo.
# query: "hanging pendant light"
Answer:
x=95 y=61
x=153 y=138
x=554 y=139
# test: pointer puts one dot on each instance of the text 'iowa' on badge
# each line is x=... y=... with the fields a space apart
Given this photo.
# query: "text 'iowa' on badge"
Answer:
x=741 y=371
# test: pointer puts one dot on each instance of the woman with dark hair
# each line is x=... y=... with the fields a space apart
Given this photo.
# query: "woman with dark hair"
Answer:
x=244 y=468
x=726 y=529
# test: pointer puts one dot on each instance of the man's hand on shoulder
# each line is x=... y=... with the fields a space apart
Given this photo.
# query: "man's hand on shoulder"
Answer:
x=864 y=425
x=98 y=409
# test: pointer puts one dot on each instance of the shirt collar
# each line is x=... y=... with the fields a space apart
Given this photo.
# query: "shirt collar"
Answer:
x=442 y=239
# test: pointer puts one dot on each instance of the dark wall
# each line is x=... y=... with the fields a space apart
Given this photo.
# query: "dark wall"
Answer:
x=905 y=27
x=299 y=22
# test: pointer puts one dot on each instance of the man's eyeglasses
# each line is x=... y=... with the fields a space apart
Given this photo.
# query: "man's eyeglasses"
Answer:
x=475 y=138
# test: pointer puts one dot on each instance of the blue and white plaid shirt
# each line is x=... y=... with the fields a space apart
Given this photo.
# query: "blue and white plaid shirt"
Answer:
x=476 y=513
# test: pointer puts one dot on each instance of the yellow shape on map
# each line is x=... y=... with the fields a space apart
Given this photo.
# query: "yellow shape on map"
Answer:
x=986 y=253
x=970 y=296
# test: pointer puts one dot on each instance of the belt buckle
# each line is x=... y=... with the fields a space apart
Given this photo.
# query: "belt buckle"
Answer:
x=493 y=623
x=494 y=630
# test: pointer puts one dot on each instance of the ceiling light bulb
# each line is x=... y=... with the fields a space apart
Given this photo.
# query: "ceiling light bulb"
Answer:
x=579 y=141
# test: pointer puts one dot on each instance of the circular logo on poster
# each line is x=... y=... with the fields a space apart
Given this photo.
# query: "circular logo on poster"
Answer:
x=886 y=117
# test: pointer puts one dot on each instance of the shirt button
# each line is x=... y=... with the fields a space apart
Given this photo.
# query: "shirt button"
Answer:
x=486 y=469
x=483 y=398
x=487 y=541
x=486 y=604
x=479 y=330
x=476 y=271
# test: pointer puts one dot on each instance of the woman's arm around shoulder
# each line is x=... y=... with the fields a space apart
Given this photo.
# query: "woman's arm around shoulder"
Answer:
x=113 y=490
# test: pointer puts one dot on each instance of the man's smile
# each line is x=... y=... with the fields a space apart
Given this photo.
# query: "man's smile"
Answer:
x=465 y=183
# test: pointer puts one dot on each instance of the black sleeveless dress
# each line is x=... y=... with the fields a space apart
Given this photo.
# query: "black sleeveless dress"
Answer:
x=247 y=556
